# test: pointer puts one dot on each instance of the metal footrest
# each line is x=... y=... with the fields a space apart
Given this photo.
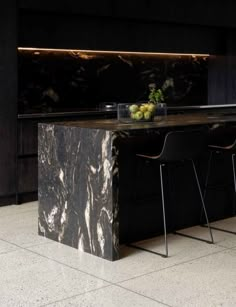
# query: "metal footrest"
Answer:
x=147 y=250
x=192 y=237
x=220 y=229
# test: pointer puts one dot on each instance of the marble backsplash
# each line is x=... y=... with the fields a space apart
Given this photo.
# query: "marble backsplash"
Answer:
x=51 y=81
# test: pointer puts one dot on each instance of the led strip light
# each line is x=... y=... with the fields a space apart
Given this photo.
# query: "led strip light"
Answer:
x=111 y=52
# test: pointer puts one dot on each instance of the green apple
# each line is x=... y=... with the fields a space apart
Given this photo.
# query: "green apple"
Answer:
x=143 y=108
x=151 y=107
x=147 y=115
x=138 y=115
x=132 y=115
x=133 y=108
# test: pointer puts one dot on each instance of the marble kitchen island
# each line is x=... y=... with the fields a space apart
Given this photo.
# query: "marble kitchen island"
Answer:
x=80 y=179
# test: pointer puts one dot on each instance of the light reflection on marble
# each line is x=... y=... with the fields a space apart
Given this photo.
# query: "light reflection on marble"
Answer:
x=77 y=198
x=52 y=81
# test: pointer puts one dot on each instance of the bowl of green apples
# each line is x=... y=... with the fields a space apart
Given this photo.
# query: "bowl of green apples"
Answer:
x=142 y=112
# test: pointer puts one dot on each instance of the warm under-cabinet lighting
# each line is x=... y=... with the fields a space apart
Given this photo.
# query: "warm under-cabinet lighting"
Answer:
x=111 y=52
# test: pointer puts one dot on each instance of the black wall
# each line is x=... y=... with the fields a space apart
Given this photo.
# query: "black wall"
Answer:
x=8 y=97
x=207 y=13
x=145 y=25
x=57 y=29
x=222 y=73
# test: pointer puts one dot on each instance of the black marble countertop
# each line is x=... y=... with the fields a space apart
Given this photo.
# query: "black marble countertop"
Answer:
x=169 y=121
x=67 y=114
x=113 y=111
x=205 y=107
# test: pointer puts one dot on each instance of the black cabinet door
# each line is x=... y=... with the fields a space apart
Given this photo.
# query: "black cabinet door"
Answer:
x=8 y=97
x=101 y=7
x=208 y=13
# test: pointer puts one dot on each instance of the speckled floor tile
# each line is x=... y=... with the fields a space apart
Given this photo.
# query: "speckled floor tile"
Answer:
x=27 y=279
x=17 y=209
x=111 y=296
x=133 y=262
x=21 y=229
x=6 y=247
x=226 y=239
x=229 y=223
x=195 y=274
x=208 y=281
x=221 y=238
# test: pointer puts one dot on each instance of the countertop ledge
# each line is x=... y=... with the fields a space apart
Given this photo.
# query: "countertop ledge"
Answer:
x=169 y=121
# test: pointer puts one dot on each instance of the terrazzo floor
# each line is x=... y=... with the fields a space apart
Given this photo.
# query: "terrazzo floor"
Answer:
x=39 y=272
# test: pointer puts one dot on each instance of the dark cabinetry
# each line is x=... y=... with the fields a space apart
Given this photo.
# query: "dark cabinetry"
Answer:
x=102 y=7
x=8 y=99
x=206 y=13
x=145 y=25
x=98 y=33
x=26 y=170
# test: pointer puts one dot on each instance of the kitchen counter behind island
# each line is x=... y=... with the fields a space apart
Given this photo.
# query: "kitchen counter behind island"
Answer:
x=80 y=178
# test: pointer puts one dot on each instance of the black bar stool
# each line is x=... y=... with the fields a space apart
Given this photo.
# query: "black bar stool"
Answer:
x=230 y=151
x=179 y=146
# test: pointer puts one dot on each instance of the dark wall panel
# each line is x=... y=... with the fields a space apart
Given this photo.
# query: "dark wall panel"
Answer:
x=222 y=74
x=8 y=94
x=64 y=31
x=217 y=80
x=231 y=66
x=101 y=7
x=209 y=13
x=28 y=175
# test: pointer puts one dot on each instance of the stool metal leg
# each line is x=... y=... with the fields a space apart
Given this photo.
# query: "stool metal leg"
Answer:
x=164 y=222
x=204 y=209
x=233 y=165
x=202 y=200
x=163 y=209
x=207 y=174
x=206 y=181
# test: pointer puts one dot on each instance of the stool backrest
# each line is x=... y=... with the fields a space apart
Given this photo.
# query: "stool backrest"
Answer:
x=183 y=145
x=233 y=146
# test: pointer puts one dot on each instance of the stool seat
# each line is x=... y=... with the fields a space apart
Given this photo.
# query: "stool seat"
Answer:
x=179 y=146
x=226 y=149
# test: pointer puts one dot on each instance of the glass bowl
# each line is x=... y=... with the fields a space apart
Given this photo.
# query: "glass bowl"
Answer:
x=136 y=112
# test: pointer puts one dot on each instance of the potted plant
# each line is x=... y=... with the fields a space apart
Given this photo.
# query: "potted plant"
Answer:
x=156 y=96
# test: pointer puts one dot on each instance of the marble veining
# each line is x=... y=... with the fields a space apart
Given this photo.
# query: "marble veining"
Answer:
x=77 y=197
x=52 y=81
x=79 y=178
x=79 y=187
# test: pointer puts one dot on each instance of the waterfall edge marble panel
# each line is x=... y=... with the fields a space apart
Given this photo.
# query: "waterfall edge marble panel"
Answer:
x=78 y=188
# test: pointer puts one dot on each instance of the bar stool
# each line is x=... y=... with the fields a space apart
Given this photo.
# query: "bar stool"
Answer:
x=229 y=151
x=179 y=146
